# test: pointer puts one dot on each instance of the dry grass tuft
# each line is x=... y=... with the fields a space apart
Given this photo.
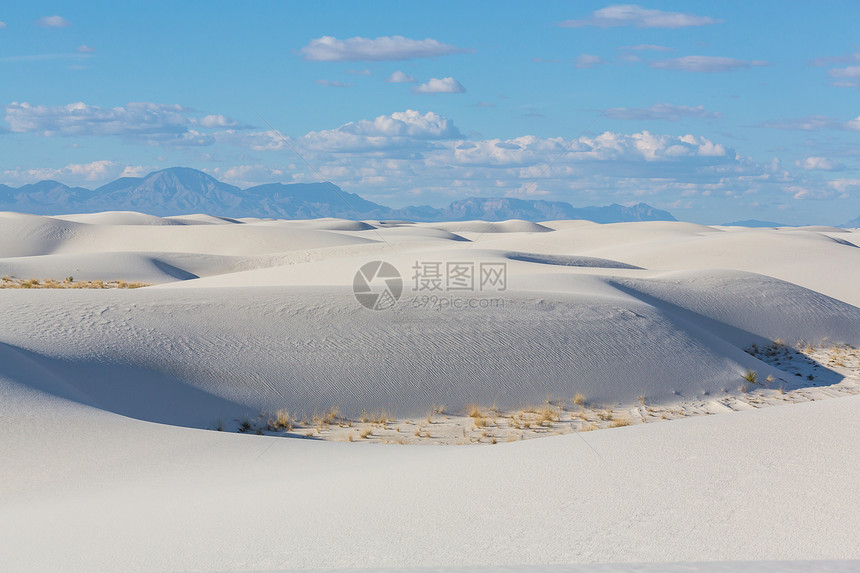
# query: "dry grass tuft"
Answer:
x=282 y=421
x=547 y=416
x=68 y=282
x=474 y=411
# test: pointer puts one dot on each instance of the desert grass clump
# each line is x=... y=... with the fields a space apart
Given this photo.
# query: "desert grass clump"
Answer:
x=547 y=416
x=579 y=399
x=365 y=433
x=378 y=418
x=325 y=419
x=620 y=422
x=750 y=377
x=282 y=421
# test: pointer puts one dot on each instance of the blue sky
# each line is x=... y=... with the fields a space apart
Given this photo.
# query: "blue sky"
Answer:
x=715 y=111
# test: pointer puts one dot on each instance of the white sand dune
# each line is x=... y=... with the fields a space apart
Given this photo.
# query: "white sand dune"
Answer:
x=105 y=395
x=107 y=493
x=512 y=226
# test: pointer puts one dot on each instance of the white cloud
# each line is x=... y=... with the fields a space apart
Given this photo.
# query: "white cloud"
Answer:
x=707 y=64
x=84 y=49
x=844 y=185
x=73 y=174
x=440 y=86
x=812 y=123
x=165 y=124
x=809 y=192
x=633 y=15
x=819 y=164
x=256 y=140
x=411 y=157
x=250 y=175
x=588 y=60
x=330 y=49
x=660 y=111
x=364 y=72
x=213 y=121
x=409 y=129
x=848 y=77
x=333 y=84
x=53 y=22
x=831 y=60
x=2 y=25
x=847 y=72
x=399 y=77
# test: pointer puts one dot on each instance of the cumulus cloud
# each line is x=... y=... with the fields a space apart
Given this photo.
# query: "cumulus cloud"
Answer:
x=2 y=25
x=53 y=22
x=333 y=84
x=848 y=72
x=848 y=77
x=399 y=77
x=84 y=49
x=440 y=86
x=256 y=140
x=831 y=60
x=425 y=154
x=74 y=173
x=588 y=61
x=364 y=72
x=819 y=164
x=215 y=121
x=706 y=64
x=330 y=49
x=660 y=111
x=409 y=129
x=168 y=124
x=844 y=185
x=250 y=175
x=633 y=15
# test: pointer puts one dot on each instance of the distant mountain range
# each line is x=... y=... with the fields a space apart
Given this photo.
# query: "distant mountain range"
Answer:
x=755 y=223
x=182 y=190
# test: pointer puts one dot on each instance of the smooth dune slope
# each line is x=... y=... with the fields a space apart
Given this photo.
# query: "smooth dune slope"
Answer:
x=112 y=493
x=107 y=397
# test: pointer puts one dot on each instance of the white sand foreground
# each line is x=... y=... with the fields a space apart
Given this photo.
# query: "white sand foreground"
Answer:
x=106 y=396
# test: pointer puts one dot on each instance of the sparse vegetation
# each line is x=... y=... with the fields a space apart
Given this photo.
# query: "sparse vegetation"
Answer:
x=67 y=283
x=480 y=424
